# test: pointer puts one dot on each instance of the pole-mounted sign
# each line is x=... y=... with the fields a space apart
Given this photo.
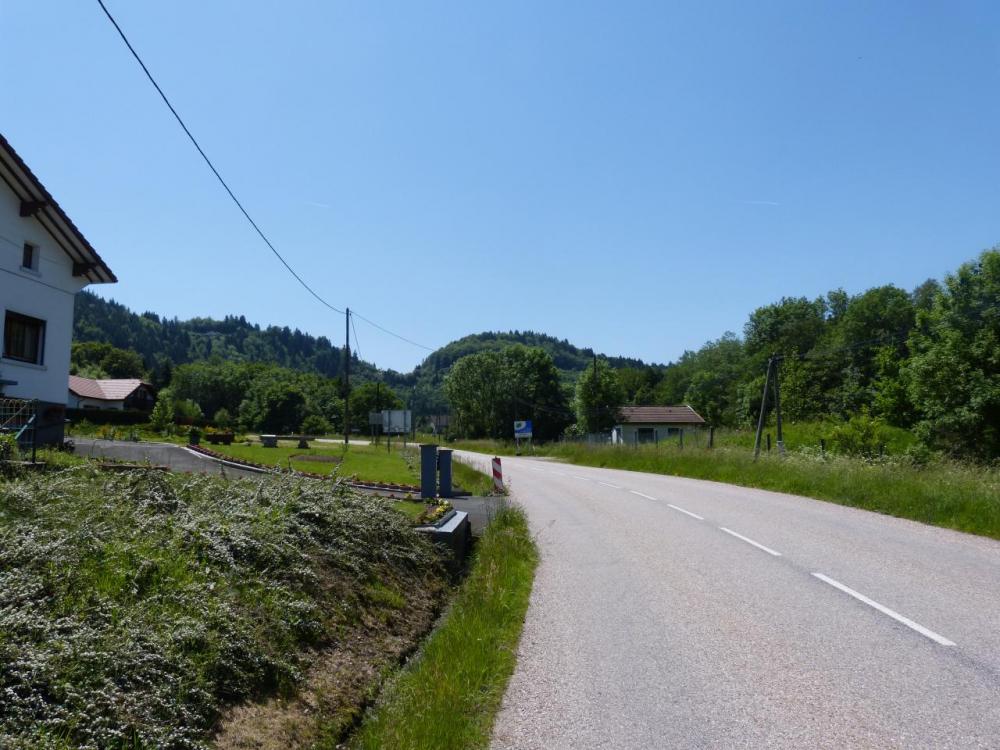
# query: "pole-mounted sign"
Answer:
x=522 y=429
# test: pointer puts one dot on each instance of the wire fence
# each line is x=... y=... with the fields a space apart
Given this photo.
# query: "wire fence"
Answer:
x=18 y=417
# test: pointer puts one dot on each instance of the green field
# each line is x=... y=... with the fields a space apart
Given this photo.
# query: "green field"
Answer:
x=365 y=463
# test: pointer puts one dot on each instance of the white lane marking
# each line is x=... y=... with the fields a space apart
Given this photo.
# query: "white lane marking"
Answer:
x=641 y=494
x=577 y=476
x=686 y=512
x=758 y=545
x=608 y=484
x=885 y=610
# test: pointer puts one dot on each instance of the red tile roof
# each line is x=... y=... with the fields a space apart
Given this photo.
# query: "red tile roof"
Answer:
x=104 y=390
x=660 y=415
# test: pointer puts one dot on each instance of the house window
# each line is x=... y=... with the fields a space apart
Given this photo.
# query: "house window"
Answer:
x=29 y=259
x=23 y=338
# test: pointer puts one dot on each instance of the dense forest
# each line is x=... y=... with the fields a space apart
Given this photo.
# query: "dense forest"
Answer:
x=926 y=359
x=164 y=343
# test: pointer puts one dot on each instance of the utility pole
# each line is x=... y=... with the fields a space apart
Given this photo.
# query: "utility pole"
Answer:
x=594 y=418
x=347 y=377
x=777 y=404
x=763 y=410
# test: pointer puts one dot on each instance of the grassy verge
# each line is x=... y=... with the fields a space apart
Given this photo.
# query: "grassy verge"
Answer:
x=471 y=480
x=942 y=493
x=367 y=463
x=137 y=609
x=447 y=698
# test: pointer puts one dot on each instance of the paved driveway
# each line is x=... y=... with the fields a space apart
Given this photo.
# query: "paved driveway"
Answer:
x=176 y=457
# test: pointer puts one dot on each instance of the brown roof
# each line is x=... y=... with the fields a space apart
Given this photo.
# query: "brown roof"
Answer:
x=104 y=390
x=50 y=215
x=660 y=415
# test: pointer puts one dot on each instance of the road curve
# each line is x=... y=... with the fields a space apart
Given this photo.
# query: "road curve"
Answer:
x=671 y=612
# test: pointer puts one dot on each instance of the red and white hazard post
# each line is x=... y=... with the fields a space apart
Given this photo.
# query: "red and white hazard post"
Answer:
x=497 y=475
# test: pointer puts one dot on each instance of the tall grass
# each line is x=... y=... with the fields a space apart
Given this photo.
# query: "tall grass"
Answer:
x=945 y=493
x=447 y=698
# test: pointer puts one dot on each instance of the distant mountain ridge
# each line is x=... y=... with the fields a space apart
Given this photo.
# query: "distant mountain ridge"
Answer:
x=163 y=342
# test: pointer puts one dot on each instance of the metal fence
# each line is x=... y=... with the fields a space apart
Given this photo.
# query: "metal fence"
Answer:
x=19 y=417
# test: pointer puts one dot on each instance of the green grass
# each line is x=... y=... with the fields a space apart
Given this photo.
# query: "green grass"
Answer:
x=367 y=463
x=797 y=435
x=447 y=697
x=135 y=607
x=944 y=493
x=412 y=509
x=471 y=480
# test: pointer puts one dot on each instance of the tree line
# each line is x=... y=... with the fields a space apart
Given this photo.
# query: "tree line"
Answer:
x=926 y=359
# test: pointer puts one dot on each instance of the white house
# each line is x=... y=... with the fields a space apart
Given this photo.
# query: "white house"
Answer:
x=117 y=394
x=651 y=424
x=44 y=262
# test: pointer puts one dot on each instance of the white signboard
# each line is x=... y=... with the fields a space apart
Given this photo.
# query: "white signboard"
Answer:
x=396 y=421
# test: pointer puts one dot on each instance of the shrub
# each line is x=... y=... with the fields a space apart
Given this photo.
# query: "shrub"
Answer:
x=314 y=424
x=223 y=418
x=862 y=435
x=8 y=447
x=134 y=606
x=163 y=415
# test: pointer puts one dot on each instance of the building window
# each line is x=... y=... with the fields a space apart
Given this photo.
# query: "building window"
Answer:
x=23 y=338
x=29 y=259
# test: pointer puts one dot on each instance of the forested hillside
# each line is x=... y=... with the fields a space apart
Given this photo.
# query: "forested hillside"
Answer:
x=926 y=359
x=164 y=342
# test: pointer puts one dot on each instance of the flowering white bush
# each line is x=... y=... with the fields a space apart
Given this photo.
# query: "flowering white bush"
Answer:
x=134 y=606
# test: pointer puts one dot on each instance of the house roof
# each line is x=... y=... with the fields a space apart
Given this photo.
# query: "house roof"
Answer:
x=33 y=195
x=660 y=415
x=104 y=390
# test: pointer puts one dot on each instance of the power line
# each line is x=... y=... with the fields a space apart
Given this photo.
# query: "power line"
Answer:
x=209 y=161
x=357 y=346
x=232 y=195
x=391 y=333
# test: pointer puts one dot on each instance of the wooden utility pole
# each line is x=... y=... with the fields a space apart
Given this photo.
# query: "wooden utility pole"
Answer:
x=763 y=410
x=347 y=377
x=777 y=404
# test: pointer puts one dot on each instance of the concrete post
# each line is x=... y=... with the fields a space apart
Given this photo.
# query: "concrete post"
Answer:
x=444 y=469
x=428 y=470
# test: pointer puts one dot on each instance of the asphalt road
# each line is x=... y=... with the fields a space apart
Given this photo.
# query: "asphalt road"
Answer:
x=670 y=612
x=177 y=457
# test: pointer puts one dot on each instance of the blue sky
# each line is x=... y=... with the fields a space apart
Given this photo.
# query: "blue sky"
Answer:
x=632 y=176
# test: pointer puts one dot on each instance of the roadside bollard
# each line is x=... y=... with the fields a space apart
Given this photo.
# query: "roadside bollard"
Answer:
x=444 y=472
x=428 y=470
x=497 y=475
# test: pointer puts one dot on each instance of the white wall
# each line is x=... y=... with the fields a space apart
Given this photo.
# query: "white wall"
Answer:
x=77 y=402
x=47 y=295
